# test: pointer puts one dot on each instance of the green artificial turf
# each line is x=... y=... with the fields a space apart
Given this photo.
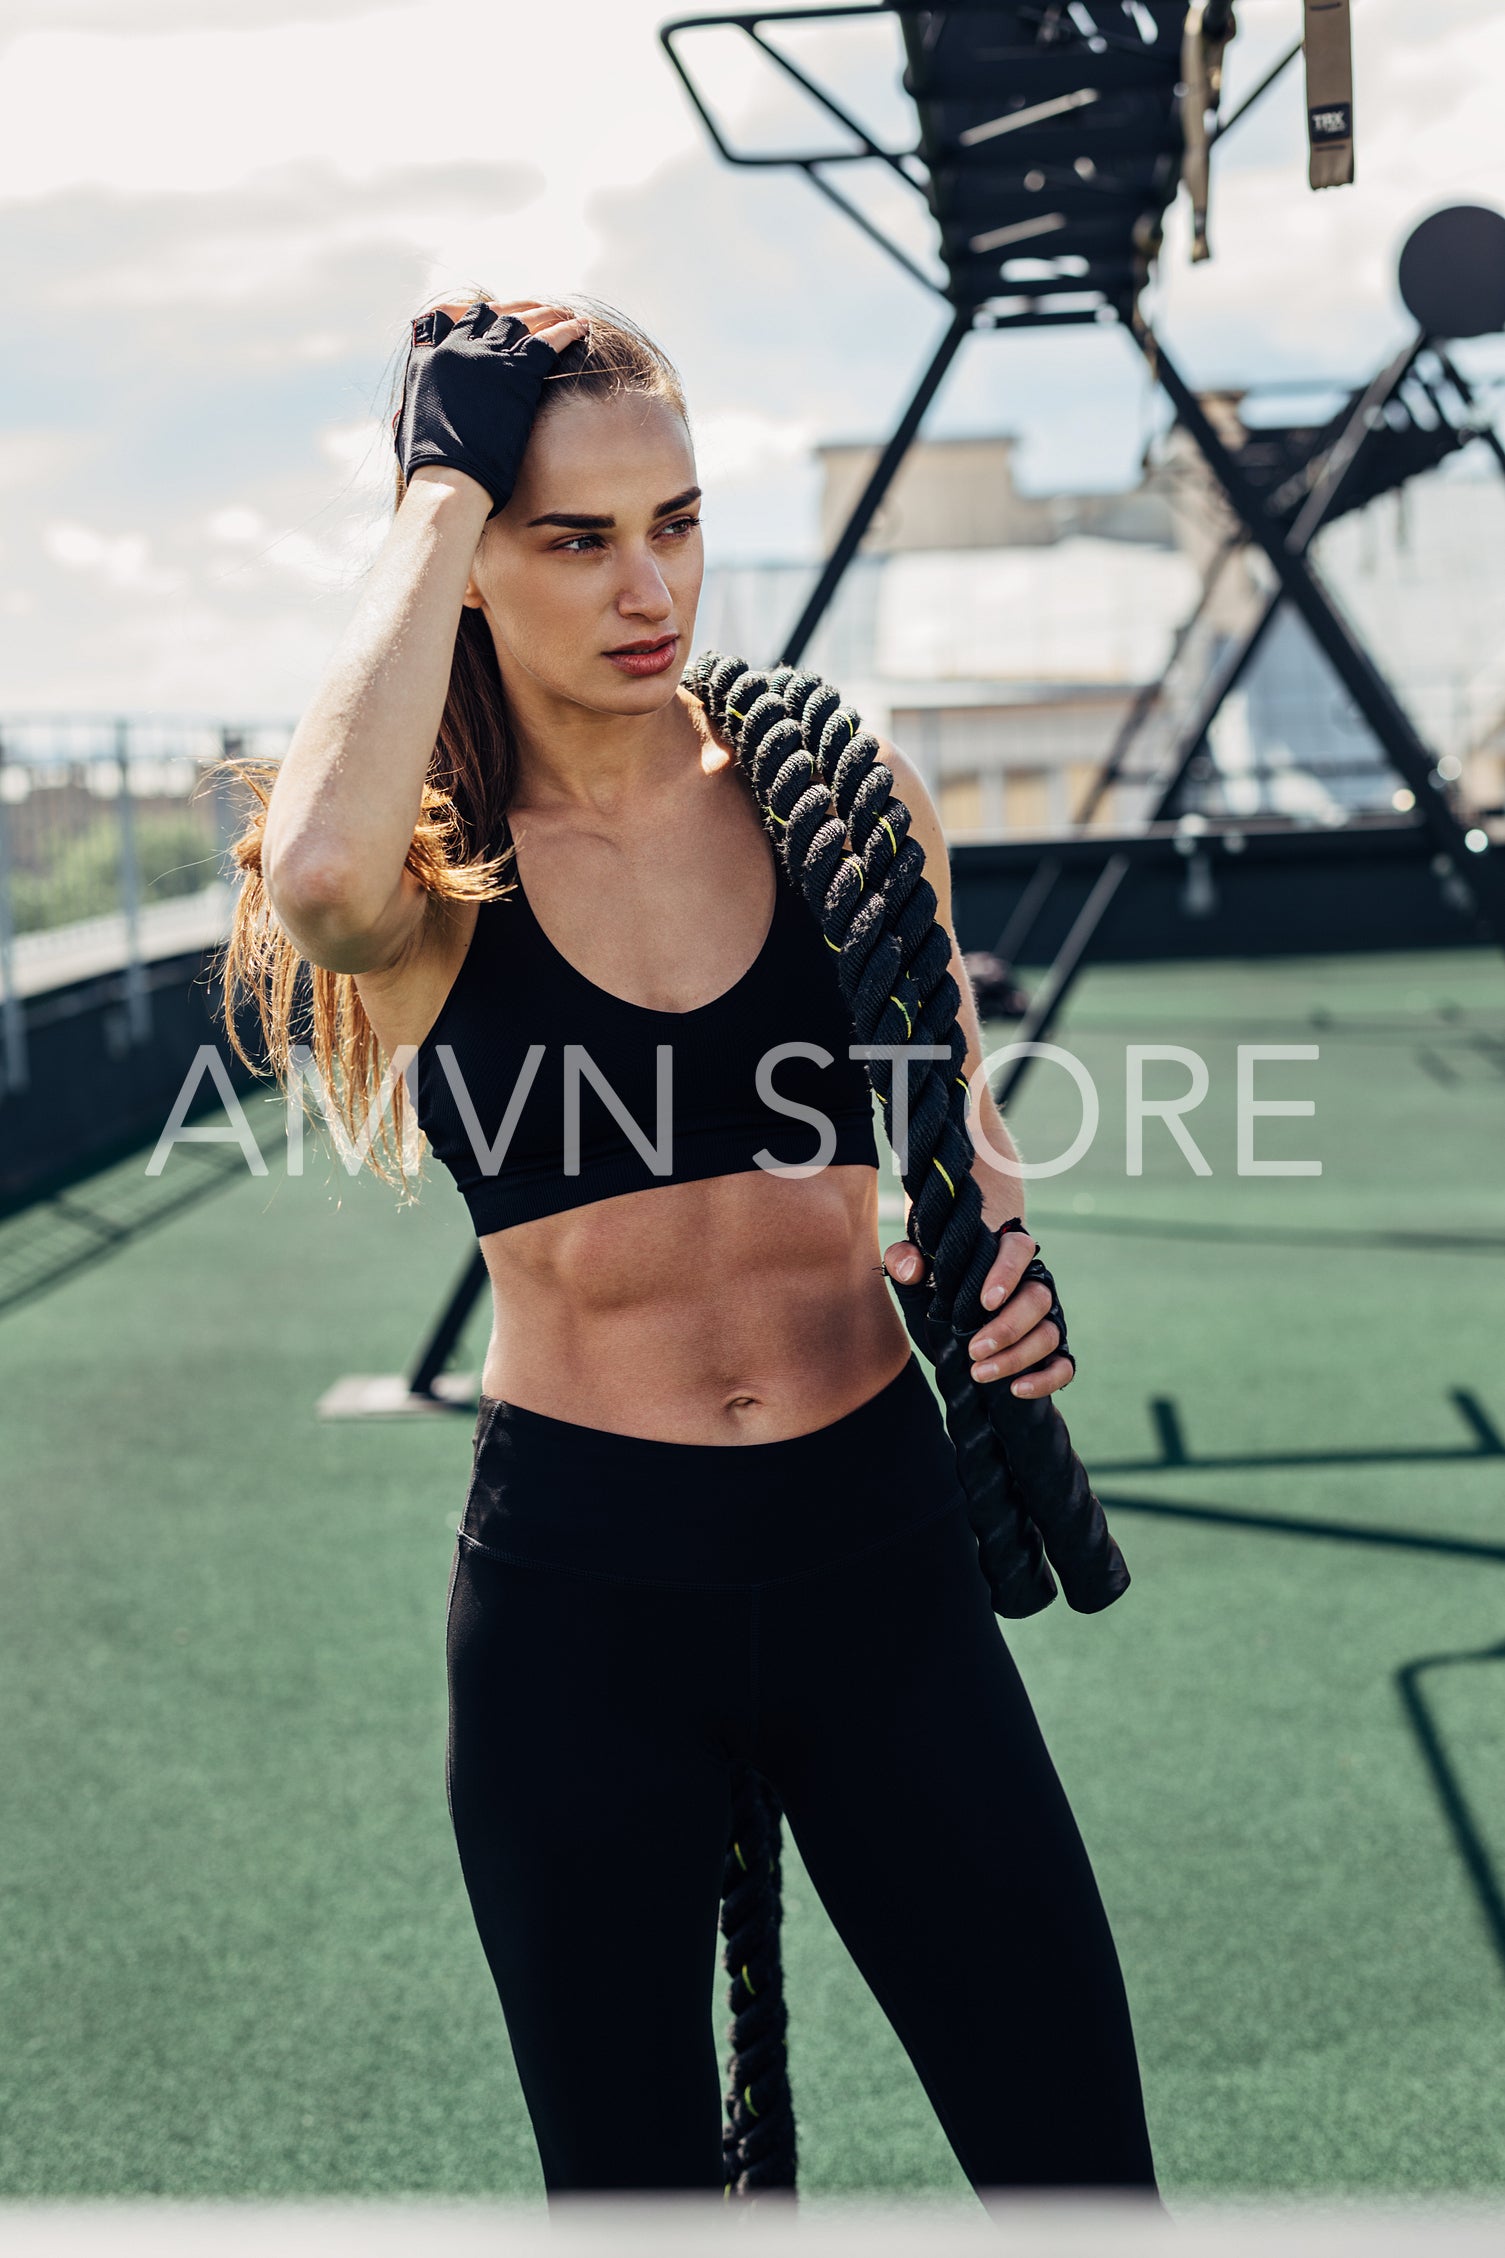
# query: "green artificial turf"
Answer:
x=235 y=1954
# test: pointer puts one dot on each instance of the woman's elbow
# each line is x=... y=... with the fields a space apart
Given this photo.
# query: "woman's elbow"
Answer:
x=320 y=899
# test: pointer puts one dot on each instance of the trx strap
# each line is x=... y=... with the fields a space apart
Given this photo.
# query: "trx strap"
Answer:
x=1209 y=27
x=1329 y=92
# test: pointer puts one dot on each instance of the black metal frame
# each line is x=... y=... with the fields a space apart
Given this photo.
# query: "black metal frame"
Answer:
x=1300 y=586
x=1335 y=472
x=1284 y=543
x=868 y=501
x=810 y=161
x=444 y=1334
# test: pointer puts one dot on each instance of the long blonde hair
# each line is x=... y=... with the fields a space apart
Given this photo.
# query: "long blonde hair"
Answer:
x=458 y=850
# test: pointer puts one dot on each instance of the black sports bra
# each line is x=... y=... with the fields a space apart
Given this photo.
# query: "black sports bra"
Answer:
x=540 y=1091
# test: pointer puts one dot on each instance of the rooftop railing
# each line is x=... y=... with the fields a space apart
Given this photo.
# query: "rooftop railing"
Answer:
x=114 y=852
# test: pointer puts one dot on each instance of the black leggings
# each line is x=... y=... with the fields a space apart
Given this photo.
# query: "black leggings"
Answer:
x=626 y=1619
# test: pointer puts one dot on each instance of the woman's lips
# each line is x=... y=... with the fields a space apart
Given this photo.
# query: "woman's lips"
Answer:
x=645 y=662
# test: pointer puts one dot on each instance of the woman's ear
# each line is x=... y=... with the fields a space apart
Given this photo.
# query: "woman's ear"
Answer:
x=472 y=598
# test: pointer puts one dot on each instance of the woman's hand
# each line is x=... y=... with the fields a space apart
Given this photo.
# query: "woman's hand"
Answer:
x=1020 y=1331
x=471 y=387
x=551 y=323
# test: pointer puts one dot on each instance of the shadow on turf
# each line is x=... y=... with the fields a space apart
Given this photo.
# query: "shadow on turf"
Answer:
x=1442 y=1769
x=52 y=1240
x=1448 y=1786
x=1165 y=1418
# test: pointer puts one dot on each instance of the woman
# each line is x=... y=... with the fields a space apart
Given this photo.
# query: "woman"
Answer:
x=714 y=1515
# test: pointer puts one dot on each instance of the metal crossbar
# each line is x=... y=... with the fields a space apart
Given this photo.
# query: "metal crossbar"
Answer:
x=1051 y=129
x=1353 y=459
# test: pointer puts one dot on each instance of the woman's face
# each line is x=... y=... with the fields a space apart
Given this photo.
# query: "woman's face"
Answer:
x=598 y=548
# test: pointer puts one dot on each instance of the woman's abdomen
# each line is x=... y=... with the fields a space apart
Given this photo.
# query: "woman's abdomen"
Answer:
x=736 y=1309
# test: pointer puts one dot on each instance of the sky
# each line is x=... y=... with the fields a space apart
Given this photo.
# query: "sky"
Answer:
x=216 y=219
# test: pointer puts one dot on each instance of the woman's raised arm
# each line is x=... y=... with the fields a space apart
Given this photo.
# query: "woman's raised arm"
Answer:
x=348 y=796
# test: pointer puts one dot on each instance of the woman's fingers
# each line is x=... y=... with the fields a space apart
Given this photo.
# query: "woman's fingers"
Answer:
x=1019 y=1319
x=555 y=325
x=1033 y=1349
x=544 y=321
x=1058 y=1374
x=1020 y=1334
x=541 y=319
x=455 y=307
x=1016 y=1336
x=904 y=1261
x=1016 y=1251
x=561 y=333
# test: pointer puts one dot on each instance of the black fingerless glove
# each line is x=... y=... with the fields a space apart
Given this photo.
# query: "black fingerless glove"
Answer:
x=469 y=394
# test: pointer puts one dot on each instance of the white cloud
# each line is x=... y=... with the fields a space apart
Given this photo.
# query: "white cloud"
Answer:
x=123 y=560
x=318 y=345
x=29 y=458
x=204 y=110
x=236 y=525
x=315 y=564
x=168 y=15
x=350 y=444
x=738 y=446
x=274 y=238
x=330 y=564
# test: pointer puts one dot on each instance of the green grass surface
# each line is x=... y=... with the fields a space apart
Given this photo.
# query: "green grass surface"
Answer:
x=235 y=1954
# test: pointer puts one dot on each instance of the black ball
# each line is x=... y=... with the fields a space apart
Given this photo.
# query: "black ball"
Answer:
x=1452 y=272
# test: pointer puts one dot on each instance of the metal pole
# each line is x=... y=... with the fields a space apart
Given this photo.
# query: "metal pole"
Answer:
x=226 y=816
x=1477 y=872
x=1226 y=125
x=1151 y=694
x=1057 y=985
x=439 y=1347
x=1040 y=888
x=17 y=1071
x=137 y=1003
x=1323 y=495
x=1025 y=911
x=1323 y=498
x=877 y=486
x=1482 y=427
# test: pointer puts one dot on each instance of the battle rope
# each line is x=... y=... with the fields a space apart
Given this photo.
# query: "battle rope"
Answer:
x=757 y=2139
x=844 y=840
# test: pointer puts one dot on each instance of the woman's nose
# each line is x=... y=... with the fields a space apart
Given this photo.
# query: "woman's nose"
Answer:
x=646 y=593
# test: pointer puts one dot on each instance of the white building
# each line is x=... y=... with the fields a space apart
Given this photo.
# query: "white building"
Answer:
x=1001 y=638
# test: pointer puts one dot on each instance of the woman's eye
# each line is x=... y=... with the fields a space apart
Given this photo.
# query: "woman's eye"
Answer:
x=581 y=543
